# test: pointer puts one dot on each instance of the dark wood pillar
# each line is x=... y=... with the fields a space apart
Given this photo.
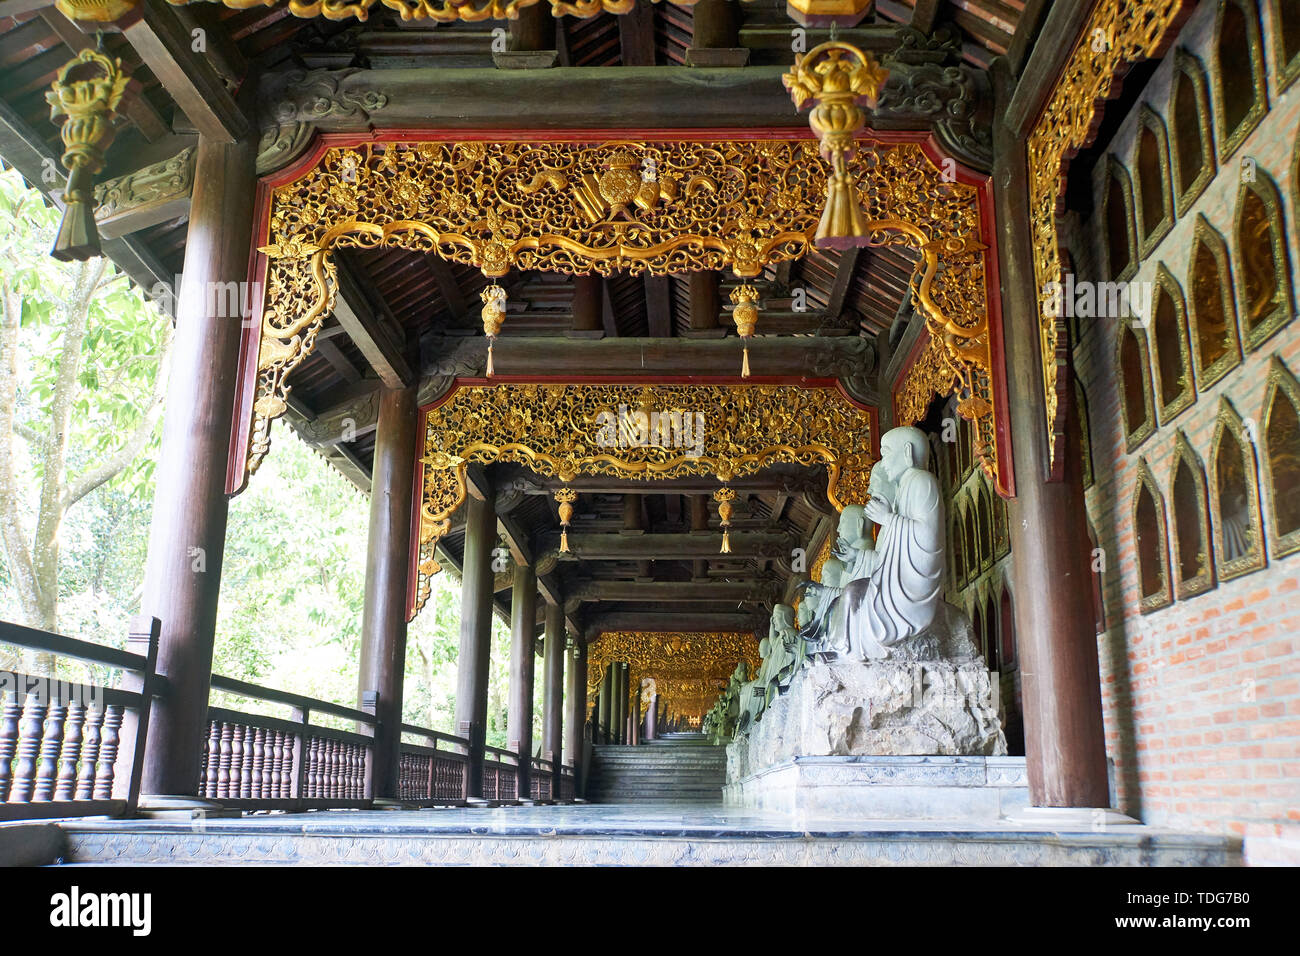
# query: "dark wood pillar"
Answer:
x=705 y=305
x=1051 y=553
x=383 y=621
x=553 y=687
x=650 y=730
x=475 y=633
x=519 y=718
x=188 y=531
x=605 y=709
x=587 y=304
x=620 y=703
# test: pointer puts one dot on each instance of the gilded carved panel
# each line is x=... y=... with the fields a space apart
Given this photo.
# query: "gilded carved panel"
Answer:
x=566 y=430
x=689 y=669
x=583 y=207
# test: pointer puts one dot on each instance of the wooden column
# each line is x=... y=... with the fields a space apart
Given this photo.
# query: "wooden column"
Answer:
x=575 y=685
x=705 y=305
x=620 y=703
x=519 y=718
x=475 y=633
x=651 y=728
x=1051 y=552
x=383 y=620
x=587 y=303
x=604 y=709
x=188 y=532
x=553 y=688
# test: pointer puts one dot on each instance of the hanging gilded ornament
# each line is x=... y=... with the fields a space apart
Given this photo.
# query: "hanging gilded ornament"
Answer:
x=841 y=79
x=724 y=496
x=88 y=105
x=745 y=315
x=494 y=315
x=565 y=497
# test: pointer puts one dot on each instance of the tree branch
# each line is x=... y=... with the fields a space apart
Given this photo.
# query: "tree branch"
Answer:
x=111 y=466
x=14 y=537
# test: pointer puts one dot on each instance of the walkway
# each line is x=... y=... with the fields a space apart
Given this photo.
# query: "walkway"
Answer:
x=654 y=834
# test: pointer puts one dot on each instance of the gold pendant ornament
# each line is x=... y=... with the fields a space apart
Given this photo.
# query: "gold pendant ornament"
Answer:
x=745 y=315
x=724 y=496
x=494 y=316
x=840 y=78
x=89 y=106
x=565 y=497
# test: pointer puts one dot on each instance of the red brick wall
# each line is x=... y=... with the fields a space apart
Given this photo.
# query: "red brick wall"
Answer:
x=1201 y=698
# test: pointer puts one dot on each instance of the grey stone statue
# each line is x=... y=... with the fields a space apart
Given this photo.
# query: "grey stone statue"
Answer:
x=894 y=583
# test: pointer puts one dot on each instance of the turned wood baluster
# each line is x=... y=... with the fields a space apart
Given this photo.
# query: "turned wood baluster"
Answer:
x=246 y=765
x=286 y=765
x=259 y=755
x=67 y=783
x=213 y=757
x=29 y=742
x=238 y=779
x=90 y=753
x=51 y=744
x=313 y=767
x=331 y=768
x=327 y=768
x=223 y=767
x=12 y=710
x=104 y=766
x=272 y=767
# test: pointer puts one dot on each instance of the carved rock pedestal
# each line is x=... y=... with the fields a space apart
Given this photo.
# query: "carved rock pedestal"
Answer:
x=892 y=739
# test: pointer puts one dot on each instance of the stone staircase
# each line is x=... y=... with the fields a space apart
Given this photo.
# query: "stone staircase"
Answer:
x=683 y=770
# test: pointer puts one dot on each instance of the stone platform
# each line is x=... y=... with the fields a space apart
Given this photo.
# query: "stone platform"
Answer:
x=966 y=790
x=622 y=836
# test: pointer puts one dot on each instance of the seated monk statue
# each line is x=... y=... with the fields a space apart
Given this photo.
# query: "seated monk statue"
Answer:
x=898 y=598
x=785 y=653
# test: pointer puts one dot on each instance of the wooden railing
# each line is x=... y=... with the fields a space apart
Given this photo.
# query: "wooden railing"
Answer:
x=542 y=779
x=568 y=784
x=433 y=772
x=73 y=749
x=271 y=763
x=500 y=774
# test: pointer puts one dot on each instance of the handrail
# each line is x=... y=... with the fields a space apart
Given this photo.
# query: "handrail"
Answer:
x=509 y=757
x=435 y=735
x=48 y=642
x=230 y=685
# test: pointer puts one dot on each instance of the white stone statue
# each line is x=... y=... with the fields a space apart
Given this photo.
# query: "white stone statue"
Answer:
x=894 y=583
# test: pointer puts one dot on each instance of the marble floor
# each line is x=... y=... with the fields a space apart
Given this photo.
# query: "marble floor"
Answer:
x=641 y=834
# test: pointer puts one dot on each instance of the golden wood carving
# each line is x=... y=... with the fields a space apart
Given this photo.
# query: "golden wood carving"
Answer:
x=689 y=668
x=441 y=11
x=840 y=79
x=87 y=107
x=1117 y=32
x=558 y=431
x=745 y=314
x=95 y=11
x=928 y=376
x=581 y=208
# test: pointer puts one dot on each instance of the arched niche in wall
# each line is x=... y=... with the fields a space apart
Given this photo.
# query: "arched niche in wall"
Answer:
x=1174 y=386
x=1234 y=497
x=1098 y=585
x=1006 y=628
x=1263 y=261
x=986 y=522
x=1242 y=98
x=1192 y=150
x=1085 y=433
x=1282 y=458
x=959 y=544
x=977 y=624
x=1119 y=240
x=991 y=631
x=1215 y=346
x=1153 y=202
x=1131 y=365
x=972 y=542
x=1286 y=39
x=1189 y=502
x=1001 y=533
x=1151 y=542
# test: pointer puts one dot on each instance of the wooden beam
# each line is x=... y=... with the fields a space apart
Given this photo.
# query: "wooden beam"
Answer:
x=1027 y=27
x=674 y=592
x=703 y=486
x=365 y=325
x=683 y=620
x=448 y=287
x=1062 y=26
x=340 y=362
x=924 y=15
x=843 y=281
x=157 y=193
x=166 y=46
x=585 y=546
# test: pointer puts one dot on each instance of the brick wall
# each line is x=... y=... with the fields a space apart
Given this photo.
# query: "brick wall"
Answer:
x=1202 y=697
